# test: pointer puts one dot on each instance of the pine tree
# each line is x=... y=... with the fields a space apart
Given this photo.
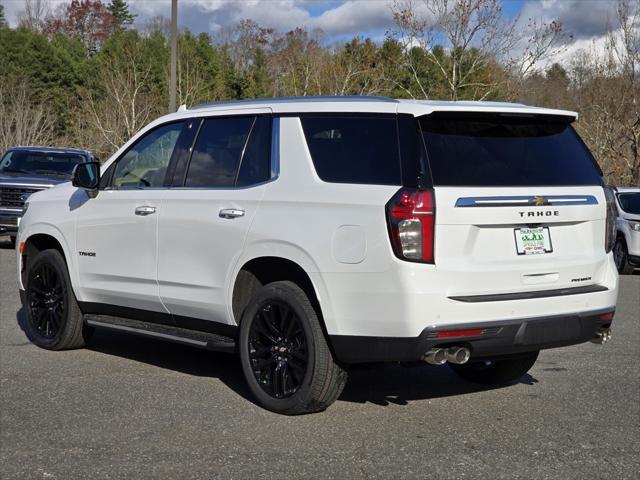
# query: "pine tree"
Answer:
x=3 y=21
x=120 y=11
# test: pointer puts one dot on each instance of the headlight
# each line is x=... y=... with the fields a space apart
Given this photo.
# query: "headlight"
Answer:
x=25 y=207
x=635 y=226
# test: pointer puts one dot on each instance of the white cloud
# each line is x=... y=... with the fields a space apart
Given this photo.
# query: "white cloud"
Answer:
x=351 y=17
x=355 y=17
x=581 y=18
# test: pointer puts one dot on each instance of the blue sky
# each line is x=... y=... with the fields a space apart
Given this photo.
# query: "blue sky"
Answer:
x=586 y=20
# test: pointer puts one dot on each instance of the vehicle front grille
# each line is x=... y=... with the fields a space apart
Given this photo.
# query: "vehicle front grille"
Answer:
x=12 y=197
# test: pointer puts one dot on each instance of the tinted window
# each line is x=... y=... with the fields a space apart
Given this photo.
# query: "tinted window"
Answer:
x=256 y=162
x=145 y=163
x=354 y=149
x=493 y=150
x=216 y=156
x=44 y=163
x=630 y=202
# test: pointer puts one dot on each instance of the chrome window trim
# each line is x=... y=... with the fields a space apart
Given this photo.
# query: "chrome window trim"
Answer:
x=526 y=201
x=275 y=148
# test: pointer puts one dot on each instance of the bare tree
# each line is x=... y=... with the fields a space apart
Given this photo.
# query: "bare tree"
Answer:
x=122 y=104
x=624 y=41
x=607 y=95
x=23 y=119
x=34 y=15
x=465 y=40
x=474 y=32
x=297 y=62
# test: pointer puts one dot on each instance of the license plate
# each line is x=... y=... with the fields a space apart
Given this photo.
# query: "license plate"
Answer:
x=533 y=241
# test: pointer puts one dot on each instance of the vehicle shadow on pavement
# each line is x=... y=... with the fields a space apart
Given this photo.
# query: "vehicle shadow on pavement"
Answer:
x=378 y=384
x=399 y=385
x=6 y=243
x=179 y=358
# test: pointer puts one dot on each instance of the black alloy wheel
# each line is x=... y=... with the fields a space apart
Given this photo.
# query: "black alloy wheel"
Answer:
x=278 y=350
x=54 y=320
x=620 y=257
x=285 y=356
x=46 y=297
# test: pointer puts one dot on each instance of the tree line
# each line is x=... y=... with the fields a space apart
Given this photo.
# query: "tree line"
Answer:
x=82 y=75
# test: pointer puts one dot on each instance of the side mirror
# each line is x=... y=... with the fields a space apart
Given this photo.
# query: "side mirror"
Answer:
x=86 y=176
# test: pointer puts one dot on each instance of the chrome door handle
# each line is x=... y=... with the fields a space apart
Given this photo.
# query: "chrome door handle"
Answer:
x=231 y=213
x=145 y=210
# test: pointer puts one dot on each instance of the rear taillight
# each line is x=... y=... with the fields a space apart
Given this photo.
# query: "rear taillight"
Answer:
x=610 y=234
x=411 y=219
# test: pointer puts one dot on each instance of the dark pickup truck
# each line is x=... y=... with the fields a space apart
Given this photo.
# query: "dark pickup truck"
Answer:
x=26 y=170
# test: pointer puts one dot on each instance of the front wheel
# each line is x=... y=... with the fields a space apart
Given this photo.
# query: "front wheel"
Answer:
x=620 y=257
x=498 y=371
x=285 y=357
x=54 y=320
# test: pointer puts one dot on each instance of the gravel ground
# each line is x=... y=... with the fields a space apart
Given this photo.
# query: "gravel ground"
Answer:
x=134 y=408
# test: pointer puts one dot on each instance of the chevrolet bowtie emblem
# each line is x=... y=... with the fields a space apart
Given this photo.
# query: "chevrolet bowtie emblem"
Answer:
x=539 y=201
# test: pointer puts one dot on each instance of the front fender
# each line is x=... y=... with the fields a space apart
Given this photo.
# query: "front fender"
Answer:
x=44 y=228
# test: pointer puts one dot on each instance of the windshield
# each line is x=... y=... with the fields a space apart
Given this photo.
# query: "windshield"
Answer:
x=630 y=202
x=43 y=163
x=500 y=150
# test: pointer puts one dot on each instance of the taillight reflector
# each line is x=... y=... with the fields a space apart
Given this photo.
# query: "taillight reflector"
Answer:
x=606 y=317
x=460 y=333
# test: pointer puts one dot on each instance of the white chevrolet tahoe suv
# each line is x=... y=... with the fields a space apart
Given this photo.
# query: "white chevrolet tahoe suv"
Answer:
x=311 y=234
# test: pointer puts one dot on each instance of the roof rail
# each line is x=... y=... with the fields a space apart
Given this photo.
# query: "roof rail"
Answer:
x=320 y=98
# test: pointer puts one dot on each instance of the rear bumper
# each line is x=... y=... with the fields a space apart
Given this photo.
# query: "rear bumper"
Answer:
x=496 y=338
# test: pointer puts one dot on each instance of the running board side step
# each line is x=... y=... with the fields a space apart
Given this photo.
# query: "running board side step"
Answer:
x=208 y=341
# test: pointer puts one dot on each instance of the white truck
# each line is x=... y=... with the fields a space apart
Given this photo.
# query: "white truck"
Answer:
x=310 y=234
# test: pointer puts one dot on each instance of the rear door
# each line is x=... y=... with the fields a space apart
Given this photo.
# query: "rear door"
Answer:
x=207 y=213
x=520 y=203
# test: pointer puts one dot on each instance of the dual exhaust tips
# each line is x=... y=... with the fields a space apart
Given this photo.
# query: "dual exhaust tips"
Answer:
x=440 y=356
x=602 y=336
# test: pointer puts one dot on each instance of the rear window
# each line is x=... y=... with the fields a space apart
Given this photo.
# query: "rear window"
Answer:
x=630 y=202
x=351 y=149
x=500 y=150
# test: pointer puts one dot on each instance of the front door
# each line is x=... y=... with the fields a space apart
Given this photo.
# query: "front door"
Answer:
x=116 y=232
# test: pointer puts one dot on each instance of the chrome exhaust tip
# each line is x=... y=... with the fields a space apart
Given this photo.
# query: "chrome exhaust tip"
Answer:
x=602 y=336
x=457 y=355
x=435 y=356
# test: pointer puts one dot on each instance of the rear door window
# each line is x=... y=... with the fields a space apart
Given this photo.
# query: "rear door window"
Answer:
x=217 y=153
x=500 y=150
x=354 y=149
x=255 y=166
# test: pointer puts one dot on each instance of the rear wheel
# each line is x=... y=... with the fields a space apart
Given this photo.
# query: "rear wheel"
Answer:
x=285 y=357
x=54 y=320
x=498 y=371
x=620 y=256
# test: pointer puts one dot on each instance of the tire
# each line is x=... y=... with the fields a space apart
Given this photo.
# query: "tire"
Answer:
x=620 y=257
x=54 y=320
x=498 y=371
x=285 y=357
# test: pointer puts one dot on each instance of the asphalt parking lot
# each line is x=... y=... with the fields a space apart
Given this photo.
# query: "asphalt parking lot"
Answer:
x=133 y=408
